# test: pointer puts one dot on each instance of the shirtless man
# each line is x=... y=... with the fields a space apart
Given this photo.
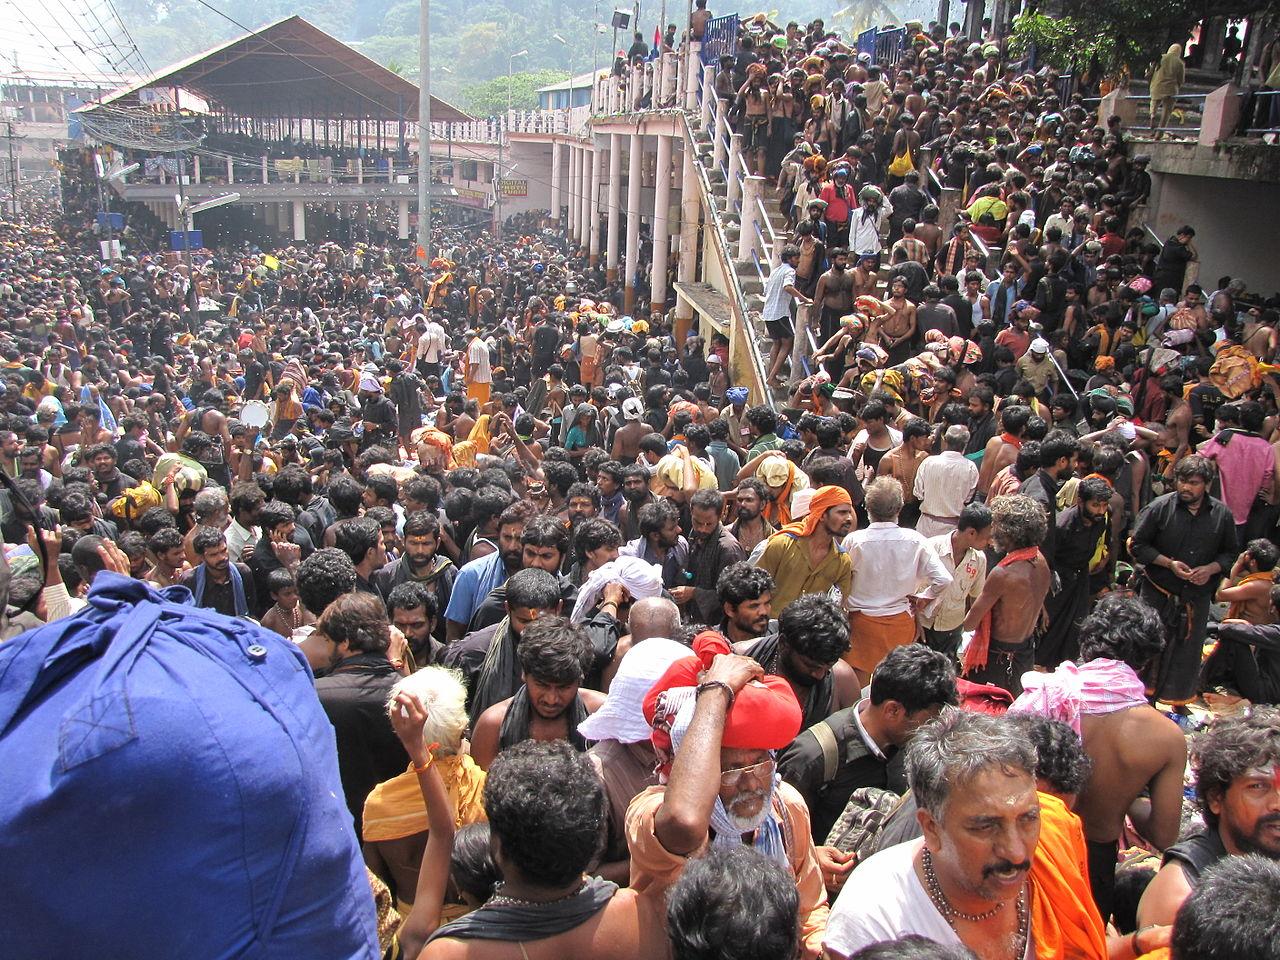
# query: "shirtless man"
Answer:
x=834 y=292
x=1013 y=595
x=1178 y=420
x=554 y=657
x=550 y=891
x=898 y=328
x=1248 y=586
x=864 y=277
x=1138 y=755
x=1002 y=449
x=626 y=439
x=928 y=231
x=1260 y=334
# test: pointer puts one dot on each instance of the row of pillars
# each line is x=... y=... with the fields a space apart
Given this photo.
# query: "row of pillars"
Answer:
x=583 y=195
x=288 y=216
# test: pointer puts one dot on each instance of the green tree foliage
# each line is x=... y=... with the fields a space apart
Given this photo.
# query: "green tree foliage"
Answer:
x=1110 y=37
x=490 y=97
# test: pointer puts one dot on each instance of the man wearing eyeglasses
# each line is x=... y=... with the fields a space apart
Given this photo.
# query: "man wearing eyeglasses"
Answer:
x=717 y=713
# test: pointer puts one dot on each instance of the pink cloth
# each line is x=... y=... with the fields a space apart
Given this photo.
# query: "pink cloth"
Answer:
x=1099 y=686
x=1246 y=465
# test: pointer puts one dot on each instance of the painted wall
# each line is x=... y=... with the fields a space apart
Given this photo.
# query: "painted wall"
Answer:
x=1234 y=220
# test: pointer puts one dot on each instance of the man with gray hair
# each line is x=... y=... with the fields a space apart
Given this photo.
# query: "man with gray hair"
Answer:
x=209 y=508
x=944 y=484
x=984 y=858
x=895 y=575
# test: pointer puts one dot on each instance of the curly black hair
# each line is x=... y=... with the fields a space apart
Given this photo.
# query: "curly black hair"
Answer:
x=815 y=627
x=733 y=904
x=323 y=577
x=1060 y=757
x=547 y=808
x=1229 y=747
x=1122 y=628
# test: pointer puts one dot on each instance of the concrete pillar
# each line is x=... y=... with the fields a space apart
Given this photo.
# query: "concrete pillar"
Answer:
x=265 y=178
x=593 y=212
x=734 y=186
x=690 y=213
x=752 y=191
x=1221 y=113
x=574 y=206
x=720 y=135
x=708 y=97
x=195 y=168
x=584 y=196
x=299 y=221
x=615 y=203
x=1117 y=104
x=231 y=170
x=692 y=75
x=402 y=219
x=670 y=79
x=555 y=182
x=661 y=225
x=633 y=224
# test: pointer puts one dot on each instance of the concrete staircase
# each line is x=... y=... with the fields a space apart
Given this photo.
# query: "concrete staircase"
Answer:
x=730 y=218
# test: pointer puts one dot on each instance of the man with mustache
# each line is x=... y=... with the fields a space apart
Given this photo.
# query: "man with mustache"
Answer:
x=1186 y=541
x=812 y=636
x=1134 y=749
x=1237 y=767
x=717 y=721
x=751 y=528
x=712 y=548
x=999 y=868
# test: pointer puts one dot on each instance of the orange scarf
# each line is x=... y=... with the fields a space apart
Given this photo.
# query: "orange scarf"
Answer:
x=778 y=510
x=1065 y=924
x=975 y=655
x=1237 y=606
x=824 y=498
x=1009 y=438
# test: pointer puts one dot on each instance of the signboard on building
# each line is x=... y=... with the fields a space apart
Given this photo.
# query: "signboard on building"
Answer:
x=514 y=188
x=473 y=198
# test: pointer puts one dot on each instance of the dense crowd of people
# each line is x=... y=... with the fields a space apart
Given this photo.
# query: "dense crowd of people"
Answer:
x=359 y=607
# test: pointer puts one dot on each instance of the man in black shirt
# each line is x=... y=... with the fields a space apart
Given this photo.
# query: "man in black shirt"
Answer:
x=1186 y=541
x=909 y=688
x=217 y=583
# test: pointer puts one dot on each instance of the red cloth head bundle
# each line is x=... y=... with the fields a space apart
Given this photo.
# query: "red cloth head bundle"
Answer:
x=765 y=715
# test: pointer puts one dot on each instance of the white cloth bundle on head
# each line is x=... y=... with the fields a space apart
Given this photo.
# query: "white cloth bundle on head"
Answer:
x=621 y=716
x=643 y=580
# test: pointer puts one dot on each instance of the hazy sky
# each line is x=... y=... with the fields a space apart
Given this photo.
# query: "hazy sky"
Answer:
x=64 y=36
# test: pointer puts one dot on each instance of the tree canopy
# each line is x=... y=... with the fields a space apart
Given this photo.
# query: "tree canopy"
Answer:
x=1119 y=34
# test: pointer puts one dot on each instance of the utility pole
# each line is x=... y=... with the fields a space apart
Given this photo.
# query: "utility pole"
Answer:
x=424 y=131
x=13 y=170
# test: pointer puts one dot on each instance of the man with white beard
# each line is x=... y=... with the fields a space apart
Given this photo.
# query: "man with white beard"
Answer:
x=718 y=721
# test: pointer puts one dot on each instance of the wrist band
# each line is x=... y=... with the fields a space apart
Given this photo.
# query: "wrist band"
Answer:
x=714 y=684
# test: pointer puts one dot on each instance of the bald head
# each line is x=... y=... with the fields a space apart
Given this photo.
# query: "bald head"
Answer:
x=655 y=617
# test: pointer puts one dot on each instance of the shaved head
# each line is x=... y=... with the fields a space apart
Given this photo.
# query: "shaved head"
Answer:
x=655 y=617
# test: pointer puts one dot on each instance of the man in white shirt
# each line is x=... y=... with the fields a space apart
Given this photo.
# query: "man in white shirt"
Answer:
x=431 y=346
x=961 y=552
x=866 y=224
x=944 y=484
x=479 y=373
x=779 y=291
x=967 y=881
x=893 y=571
x=246 y=502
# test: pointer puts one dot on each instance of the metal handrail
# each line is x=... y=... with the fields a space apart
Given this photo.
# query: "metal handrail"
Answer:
x=738 y=302
x=771 y=245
